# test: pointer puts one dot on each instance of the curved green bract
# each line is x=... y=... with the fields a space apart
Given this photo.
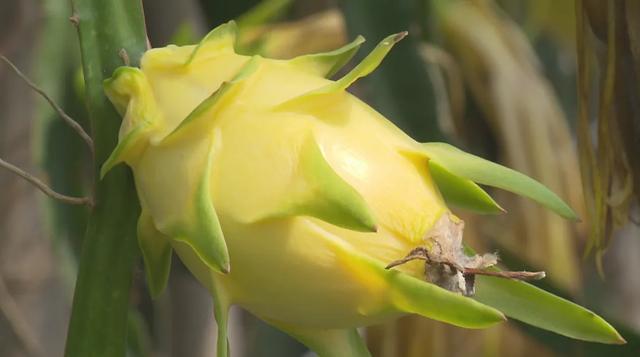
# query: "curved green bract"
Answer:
x=412 y=295
x=462 y=192
x=328 y=63
x=204 y=114
x=330 y=197
x=320 y=192
x=542 y=309
x=488 y=173
x=204 y=234
x=366 y=66
x=222 y=37
x=156 y=253
x=131 y=143
x=125 y=84
x=132 y=96
x=417 y=296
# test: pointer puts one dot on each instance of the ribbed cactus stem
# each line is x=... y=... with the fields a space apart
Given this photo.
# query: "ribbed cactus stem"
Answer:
x=98 y=325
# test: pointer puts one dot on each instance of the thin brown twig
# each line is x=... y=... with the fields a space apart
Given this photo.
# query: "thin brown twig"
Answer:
x=44 y=188
x=518 y=275
x=17 y=322
x=419 y=253
x=67 y=119
x=422 y=253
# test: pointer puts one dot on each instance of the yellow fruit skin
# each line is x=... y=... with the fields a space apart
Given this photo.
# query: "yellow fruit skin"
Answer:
x=286 y=195
x=281 y=191
x=294 y=263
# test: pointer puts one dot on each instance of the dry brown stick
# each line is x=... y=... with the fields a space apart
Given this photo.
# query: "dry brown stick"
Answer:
x=518 y=275
x=67 y=119
x=17 y=323
x=421 y=253
x=44 y=188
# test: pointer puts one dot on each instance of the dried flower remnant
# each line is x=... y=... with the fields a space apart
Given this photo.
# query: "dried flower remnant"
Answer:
x=446 y=263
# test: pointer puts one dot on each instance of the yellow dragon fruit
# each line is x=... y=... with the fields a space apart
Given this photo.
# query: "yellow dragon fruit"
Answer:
x=286 y=195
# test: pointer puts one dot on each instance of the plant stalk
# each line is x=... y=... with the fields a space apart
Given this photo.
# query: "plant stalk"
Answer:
x=98 y=325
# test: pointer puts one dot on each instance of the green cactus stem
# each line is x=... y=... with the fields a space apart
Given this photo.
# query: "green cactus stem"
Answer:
x=98 y=325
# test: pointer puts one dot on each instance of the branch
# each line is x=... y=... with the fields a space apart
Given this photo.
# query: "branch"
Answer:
x=67 y=119
x=517 y=275
x=44 y=188
x=422 y=253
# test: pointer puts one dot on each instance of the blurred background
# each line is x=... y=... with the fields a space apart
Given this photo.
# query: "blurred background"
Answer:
x=533 y=84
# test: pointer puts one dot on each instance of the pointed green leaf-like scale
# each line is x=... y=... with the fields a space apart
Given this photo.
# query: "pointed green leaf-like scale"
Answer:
x=203 y=116
x=409 y=294
x=132 y=96
x=318 y=191
x=366 y=66
x=328 y=342
x=222 y=37
x=534 y=306
x=133 y=143
x=461 y=192
x=204 y=234
x=419 y=297
x=156 y=253
x=328 y=63
x=488 y=173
